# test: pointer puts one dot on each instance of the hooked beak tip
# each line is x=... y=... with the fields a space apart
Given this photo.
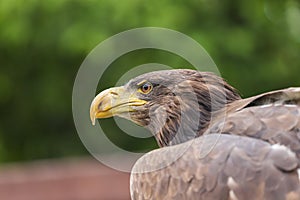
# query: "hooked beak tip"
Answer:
x=93 y=121
x=93 y=113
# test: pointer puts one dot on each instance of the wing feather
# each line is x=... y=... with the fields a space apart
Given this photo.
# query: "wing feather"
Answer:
x=253 y=154
x=258 y=173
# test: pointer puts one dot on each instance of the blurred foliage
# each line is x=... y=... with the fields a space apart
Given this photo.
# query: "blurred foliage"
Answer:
x=255 y=44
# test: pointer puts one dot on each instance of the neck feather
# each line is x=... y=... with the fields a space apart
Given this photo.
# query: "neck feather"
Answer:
x=188 y=116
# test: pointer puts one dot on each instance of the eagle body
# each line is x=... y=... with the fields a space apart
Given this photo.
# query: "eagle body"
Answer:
x=255 y=154
x=215 y=145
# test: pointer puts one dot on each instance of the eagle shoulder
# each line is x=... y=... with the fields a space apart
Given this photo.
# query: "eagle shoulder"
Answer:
x=217 y=166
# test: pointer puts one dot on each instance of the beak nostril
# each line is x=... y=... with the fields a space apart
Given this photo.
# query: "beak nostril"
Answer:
x=100 y=104
x=114 y=93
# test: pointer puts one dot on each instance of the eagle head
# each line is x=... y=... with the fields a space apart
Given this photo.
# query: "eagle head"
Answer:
x=175 y=105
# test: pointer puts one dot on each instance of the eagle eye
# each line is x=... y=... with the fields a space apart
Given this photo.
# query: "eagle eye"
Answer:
x=146 y=88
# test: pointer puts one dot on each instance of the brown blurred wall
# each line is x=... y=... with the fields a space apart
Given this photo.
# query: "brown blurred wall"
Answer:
x=72 y=179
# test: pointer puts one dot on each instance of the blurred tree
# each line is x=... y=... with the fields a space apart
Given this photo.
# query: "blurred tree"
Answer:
x=42 y=43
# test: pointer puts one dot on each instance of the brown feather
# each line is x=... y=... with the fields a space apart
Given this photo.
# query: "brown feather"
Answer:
x=216 y=145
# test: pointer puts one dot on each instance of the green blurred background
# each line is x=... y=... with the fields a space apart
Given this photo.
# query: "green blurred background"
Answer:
x=255 y=44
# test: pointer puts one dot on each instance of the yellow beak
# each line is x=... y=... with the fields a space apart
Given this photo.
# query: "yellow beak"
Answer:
x=113 y=102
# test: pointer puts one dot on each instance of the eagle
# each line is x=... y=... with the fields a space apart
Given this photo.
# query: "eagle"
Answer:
x=213 y=144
